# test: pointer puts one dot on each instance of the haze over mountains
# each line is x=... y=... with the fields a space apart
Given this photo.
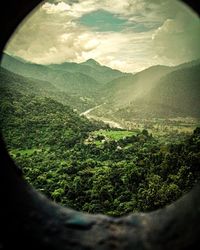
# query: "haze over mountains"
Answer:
x=14 y=83
x=69 y=77
x=159 y=91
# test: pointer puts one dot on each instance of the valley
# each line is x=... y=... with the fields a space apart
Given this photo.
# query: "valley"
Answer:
x=159 y=127
x=88 y=112
x=99 y=140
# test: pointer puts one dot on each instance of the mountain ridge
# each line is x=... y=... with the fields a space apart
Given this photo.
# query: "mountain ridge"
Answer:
x=11 y=81
x=97 y=73
x=144 y=89
x=175 y=94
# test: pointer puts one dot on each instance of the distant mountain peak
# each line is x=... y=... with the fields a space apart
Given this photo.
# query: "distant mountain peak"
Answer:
x=91 y=62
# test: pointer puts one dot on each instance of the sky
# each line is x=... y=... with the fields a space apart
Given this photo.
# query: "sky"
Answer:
x=128 y=35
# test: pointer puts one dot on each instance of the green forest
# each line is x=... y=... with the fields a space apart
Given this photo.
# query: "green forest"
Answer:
x=86 y=164
x=90 y=167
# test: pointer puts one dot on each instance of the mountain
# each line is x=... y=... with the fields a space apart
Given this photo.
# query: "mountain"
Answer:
x=70 y=82
x=159 y=91
x=126 y=89
x=11 y=82
x=100 y=73
x=83 y=79
x=31 y=121
x=91 y=62
x=174 y=93
x=23 y=68
x=75 y=83
x=179 y=90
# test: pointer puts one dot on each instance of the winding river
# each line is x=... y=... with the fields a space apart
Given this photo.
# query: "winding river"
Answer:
x=103 y=119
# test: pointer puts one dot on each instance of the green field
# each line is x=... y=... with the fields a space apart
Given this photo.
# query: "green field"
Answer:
x=22 y=152
x=114 y=134
x=100 y=136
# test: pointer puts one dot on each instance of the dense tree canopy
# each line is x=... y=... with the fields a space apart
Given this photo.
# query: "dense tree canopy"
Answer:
x=74 y=161
x=87 y=165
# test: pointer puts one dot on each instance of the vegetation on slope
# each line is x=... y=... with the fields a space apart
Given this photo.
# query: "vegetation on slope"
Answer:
x=90 y=167
x=85 y=164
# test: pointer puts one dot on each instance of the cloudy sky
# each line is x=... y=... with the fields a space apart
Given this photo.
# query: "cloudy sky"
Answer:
x=129 y=35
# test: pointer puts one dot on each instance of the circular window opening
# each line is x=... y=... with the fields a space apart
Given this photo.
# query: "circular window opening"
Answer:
x=100 y=103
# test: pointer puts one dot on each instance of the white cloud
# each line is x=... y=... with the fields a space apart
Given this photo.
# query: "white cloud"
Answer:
x=74 y=10
x=56 y=8
x=178 y=39
x=53 y=35
x=127 y=8
x=122 y=51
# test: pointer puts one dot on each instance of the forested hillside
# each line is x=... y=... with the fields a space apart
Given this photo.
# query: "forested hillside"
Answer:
x=158 y=92
x=84 y=164
x=179 y=90
x=175 y=95
x=30 y=117
x=122 y=91
x=100 y=73
x=82 y=79
x=115 y=172
x=15 y=82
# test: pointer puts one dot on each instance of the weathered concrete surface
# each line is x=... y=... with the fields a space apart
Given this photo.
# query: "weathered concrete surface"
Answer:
x=29 y=221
